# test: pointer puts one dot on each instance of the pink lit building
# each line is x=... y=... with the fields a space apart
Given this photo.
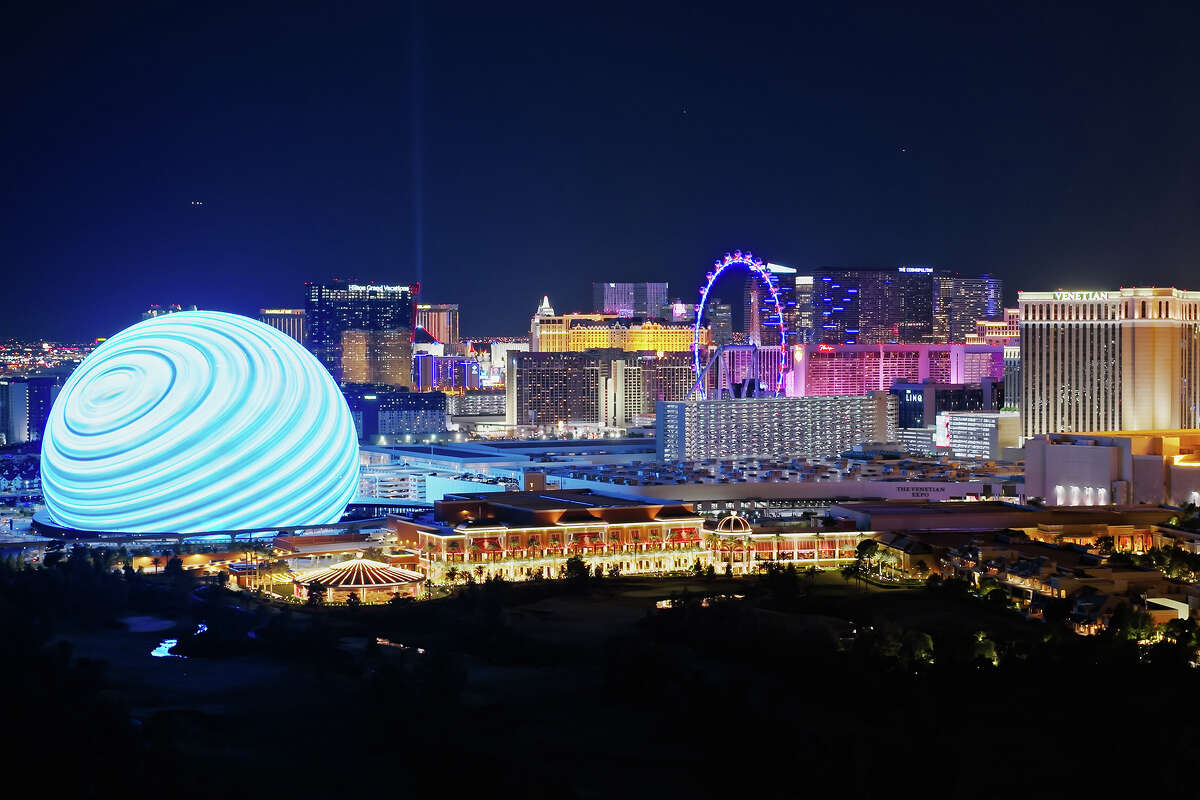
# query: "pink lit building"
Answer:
x=841 y=369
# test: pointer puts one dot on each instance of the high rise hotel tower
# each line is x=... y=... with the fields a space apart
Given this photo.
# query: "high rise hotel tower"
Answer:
x=1107 y=361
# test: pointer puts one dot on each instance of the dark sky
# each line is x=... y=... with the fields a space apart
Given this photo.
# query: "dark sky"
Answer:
x=561 y=144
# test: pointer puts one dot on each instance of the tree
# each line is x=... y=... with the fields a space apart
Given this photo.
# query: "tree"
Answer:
x=599 y=572
x=997 y=598
x=984 y=649
x=887 y=558
x=316 y=593
x=575 y=570
x=1184 y=631
x=352 y=600
x=865 y=553
x=452 y=574
x=1129 y=625
x=614 y=570
x=920 y=568
x=918 y=646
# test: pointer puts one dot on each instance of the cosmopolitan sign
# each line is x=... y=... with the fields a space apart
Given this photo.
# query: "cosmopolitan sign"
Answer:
x=1068 y=296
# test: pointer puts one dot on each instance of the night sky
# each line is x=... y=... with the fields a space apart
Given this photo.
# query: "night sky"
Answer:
x=501 y=152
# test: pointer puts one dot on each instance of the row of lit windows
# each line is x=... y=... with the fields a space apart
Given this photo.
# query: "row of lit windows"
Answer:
x=1103 y=311
x=1071 y=377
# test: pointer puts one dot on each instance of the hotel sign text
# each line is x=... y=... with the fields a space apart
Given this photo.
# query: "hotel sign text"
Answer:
x=1081 y=295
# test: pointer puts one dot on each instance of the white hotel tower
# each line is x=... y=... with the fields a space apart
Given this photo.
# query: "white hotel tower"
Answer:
x=1109 y=361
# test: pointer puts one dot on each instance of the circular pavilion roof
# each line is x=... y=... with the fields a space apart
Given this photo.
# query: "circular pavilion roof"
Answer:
x=734 y=524
x=360 y=573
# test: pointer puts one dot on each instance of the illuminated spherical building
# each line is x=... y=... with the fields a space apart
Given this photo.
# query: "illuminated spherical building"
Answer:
x=198 y=421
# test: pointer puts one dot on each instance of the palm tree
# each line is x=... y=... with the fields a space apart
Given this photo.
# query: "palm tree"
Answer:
x=316 y=593
x=886 y=557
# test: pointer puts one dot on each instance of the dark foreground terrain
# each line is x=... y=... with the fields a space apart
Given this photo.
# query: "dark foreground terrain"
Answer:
x=584 y=688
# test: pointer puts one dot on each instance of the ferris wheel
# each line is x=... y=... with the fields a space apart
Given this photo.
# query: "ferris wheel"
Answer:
x=738 y=260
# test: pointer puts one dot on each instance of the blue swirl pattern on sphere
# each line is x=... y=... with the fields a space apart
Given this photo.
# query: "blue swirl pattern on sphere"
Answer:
x=198 y=421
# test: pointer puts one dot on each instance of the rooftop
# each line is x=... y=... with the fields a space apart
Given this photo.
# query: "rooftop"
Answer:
x=360 y=573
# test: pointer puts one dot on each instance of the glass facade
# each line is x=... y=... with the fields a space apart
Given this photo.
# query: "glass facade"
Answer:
x=902 y=305
x=440 y=320
x=380 y=320
x=961 y=303
x=629 y=299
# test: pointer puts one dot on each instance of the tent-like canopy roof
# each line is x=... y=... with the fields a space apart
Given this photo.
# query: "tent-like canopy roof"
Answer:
x=360 y=573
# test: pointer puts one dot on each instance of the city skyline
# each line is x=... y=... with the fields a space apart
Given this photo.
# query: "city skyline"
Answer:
x=1046 y=147
x=926 y=459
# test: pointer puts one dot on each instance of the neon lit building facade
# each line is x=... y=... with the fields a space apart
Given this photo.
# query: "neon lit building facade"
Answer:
x=908 y=304
x=432 y=372
x=827 y=369
x=1109 y=360
x=574 y=333
x=518 y=534
x=773 y=427
x=920 y=403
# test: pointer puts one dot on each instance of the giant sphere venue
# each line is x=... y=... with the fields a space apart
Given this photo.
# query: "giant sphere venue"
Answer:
x=198 y=421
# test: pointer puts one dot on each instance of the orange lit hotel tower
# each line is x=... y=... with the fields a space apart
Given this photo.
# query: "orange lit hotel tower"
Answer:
x=1106 y=361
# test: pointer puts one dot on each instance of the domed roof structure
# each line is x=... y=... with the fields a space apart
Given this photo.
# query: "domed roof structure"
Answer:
x=198 y=421
x=734 y=524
